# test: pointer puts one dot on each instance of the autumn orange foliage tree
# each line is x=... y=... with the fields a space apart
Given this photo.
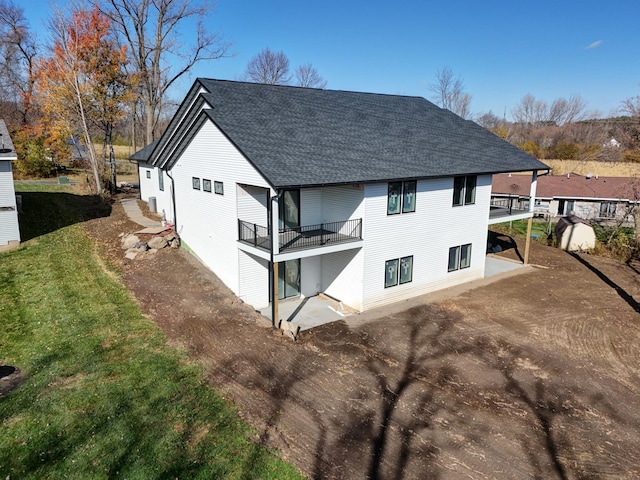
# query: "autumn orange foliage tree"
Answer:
x=83 y=87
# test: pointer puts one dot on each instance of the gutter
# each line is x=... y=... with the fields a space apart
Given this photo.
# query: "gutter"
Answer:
x=173 y=202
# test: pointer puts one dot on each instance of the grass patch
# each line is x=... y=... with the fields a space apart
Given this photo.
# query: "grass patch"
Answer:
x=104 y=396
x=539 y=229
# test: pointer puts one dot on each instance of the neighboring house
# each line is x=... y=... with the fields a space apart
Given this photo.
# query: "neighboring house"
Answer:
x=9 y=229
x=367 y=198
x=590 y=197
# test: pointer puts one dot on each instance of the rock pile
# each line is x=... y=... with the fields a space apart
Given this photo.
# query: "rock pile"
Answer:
x=133 y=245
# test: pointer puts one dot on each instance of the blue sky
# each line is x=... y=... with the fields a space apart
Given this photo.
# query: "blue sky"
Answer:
x=502 y=50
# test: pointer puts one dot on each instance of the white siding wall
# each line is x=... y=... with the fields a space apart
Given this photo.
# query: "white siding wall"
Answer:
x=252 y=204
x=207 y=222
x=342 y=277
x=254 y=280
x=148 y=186
x=9 y=229
x=426 y=234
x=164 y=202
x=331 y=204
x=310 y=276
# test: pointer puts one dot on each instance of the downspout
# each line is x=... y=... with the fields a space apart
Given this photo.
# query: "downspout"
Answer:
x=173 y=202
x=274 y=266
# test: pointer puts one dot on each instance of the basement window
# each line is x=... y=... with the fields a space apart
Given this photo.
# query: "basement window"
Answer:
x=398 y=271
x=459 y=257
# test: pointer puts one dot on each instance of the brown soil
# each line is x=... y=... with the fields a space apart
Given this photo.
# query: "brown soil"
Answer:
x=532 y=376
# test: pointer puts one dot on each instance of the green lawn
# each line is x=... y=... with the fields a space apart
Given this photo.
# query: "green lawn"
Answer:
x=519 y=227
x=104 y=395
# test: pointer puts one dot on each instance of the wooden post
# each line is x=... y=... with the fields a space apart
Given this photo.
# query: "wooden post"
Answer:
x=274 y=300
x=527 y=243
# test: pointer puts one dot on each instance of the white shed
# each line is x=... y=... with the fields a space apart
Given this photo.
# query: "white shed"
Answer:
x=574 y=233
x=9 y=229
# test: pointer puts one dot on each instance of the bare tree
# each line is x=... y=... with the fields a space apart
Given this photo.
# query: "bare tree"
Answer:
x=268 y=67
x=150 y=29
x=18 y=49
x=448 y=92
x=308 y=76
x=631 y=106
x=531 y=111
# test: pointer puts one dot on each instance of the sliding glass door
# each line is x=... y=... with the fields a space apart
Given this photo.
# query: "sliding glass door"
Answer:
x=288 y=278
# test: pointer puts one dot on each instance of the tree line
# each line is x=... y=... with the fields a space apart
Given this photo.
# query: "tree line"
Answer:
x=108 y=68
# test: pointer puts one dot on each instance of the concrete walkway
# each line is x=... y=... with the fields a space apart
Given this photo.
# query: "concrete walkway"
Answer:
x=133 y=211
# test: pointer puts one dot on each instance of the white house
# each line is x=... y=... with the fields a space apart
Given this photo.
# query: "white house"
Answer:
x=9 y=228
x=367 y=198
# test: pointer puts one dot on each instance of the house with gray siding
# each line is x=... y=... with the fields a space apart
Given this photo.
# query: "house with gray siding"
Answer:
x=9 y=228
x=291 y=192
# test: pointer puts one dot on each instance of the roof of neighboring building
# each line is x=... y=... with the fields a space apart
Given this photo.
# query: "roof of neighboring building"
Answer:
x=7 y=150
x=573 y=186
x=302 y=137
x=144 y=153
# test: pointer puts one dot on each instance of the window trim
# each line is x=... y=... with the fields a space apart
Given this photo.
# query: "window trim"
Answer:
x=460 y=262
x=401 y=189
x=391 y=268
x=206 y=185
x=462 y=187
x=396 y=265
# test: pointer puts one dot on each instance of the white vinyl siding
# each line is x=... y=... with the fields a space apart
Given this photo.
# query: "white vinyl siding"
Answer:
x=9 y=229
x=310 y=276
x=208 y=223
x=148 y=182
x=342 y=276
x=427 y=234
x=252 y=204
x=254 y=280
x=330 y=204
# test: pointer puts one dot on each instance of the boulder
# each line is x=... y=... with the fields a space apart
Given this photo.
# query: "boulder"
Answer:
x=130 y=241
x=131 y=253
x=157 y=243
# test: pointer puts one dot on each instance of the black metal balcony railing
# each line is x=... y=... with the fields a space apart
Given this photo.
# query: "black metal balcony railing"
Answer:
x=303 y=237
x=505 y=206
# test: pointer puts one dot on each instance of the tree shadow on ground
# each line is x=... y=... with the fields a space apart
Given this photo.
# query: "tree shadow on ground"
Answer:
x=505 y=242
x=408 y=408
x=46 y=212
x=633 y=303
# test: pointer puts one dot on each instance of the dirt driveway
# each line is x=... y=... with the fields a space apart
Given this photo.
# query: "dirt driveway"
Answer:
x=532 y=376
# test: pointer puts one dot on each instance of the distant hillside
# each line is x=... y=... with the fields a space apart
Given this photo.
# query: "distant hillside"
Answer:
x=605 y=169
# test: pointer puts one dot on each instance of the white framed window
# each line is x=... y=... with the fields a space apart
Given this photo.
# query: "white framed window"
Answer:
x=401 y=197
x=398 y=271
x=459 y=257
x=464 y=190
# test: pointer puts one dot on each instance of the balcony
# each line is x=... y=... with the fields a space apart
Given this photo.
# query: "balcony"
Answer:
x=303 y=237
x=504 y=208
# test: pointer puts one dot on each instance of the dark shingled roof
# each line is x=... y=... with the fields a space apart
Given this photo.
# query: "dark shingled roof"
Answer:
x=144 y=153
x=302 y=137
x=7 y=150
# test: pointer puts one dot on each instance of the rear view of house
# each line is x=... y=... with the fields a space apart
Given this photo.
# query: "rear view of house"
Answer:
x=288 y=191
x=9 y=229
